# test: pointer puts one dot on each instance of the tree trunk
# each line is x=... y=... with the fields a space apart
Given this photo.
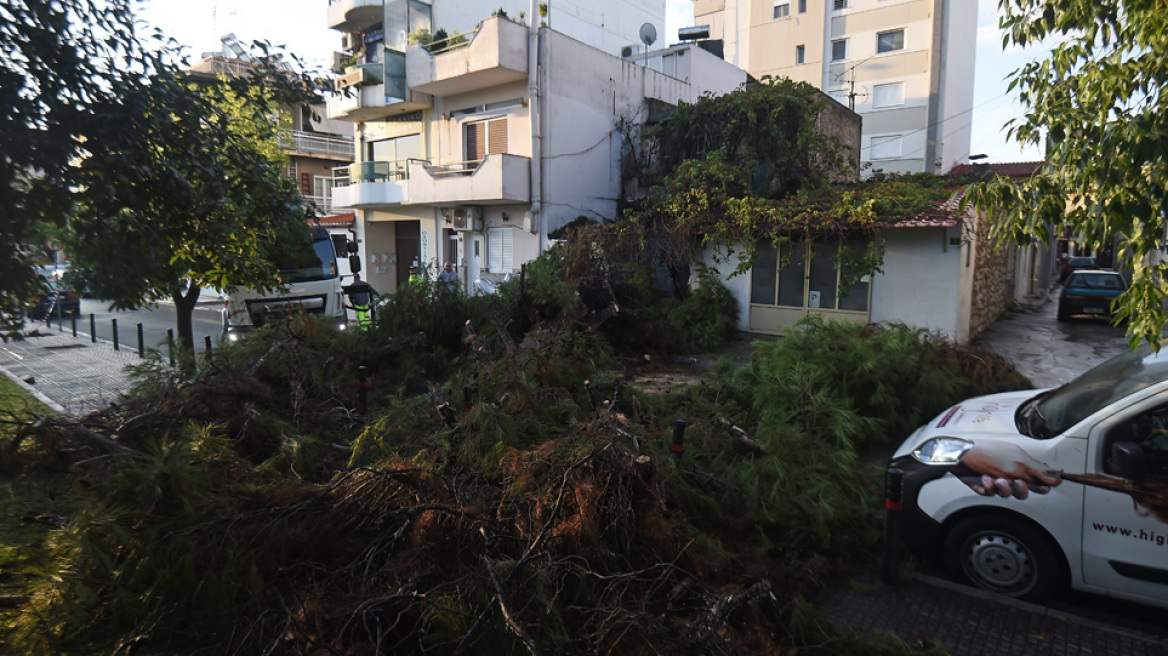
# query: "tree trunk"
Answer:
x=184 y=311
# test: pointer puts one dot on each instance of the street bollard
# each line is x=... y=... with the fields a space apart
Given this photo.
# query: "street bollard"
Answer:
x=170 y=344
x=362 y=389
x=92 y=328
x=114 y=323
x=678 y=446
x=893 y=497
x=60 y=318
x=207 y=343
x=141 y=343
x=74 y=317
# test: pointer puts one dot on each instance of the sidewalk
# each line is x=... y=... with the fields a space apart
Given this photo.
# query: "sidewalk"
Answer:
x=72 y=375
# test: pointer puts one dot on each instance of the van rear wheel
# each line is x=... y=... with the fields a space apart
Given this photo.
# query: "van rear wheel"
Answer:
x=1004 y=555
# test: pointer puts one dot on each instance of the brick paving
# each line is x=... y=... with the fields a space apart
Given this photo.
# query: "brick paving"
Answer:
x=73 y=375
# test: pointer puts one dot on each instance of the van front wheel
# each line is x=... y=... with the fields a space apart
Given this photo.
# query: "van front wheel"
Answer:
x=1004 y=555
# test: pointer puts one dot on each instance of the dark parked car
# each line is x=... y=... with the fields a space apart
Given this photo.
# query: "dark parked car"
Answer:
x=1090 y=292
x=1073 y=264
x=56 y=301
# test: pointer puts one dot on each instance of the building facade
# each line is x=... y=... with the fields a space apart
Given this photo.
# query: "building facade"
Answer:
x=906 y=66
x=484 y=145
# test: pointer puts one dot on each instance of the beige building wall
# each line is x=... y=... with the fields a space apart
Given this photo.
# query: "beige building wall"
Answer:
x=915 y=100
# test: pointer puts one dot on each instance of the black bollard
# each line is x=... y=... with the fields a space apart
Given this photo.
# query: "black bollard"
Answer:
x=207 y=343
x=678 y=446
x=362 y=389
x=170 y=344
x=114 y=323
x=141 y=343
x=92 y=328
x=893 y=495
x=74 y=318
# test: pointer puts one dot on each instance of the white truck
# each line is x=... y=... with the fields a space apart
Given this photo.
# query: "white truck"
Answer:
x=312 y=285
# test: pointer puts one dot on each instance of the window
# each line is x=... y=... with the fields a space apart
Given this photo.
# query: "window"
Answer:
x=800 y=54
x=340 y=245
x=885 y=147
x=808 y=276
x=500 y=250
x=839 y=50
x=802 y=6
x=890 y=40
x=485 y=137
x=782 y=9
x=395 y=152
x=840 y=4
x=888 y=95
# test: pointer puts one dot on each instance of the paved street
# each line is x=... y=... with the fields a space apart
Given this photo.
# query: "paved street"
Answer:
x=1050 y=353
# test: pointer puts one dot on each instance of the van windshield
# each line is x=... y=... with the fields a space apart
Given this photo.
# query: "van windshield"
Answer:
x=1056 y=411
x=312 y=262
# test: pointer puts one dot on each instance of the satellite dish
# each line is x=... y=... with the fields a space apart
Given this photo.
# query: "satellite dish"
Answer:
x=648 y=34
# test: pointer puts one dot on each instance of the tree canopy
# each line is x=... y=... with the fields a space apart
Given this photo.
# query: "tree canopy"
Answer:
x=757 y=165
x=1097 y=103
x=191 y=198
x=158 y=186
x=60 y=58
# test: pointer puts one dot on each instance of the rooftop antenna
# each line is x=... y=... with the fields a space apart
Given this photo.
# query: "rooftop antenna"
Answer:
x=852 y=83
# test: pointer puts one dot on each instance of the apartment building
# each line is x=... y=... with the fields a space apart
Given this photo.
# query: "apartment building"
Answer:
x=906 y=66
x=473 y=150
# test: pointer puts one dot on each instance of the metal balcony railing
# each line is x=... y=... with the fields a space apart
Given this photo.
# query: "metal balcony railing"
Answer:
x=310 y=142
x=392 y=171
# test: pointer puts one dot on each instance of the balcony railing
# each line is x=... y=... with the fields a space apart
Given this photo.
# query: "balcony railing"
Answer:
x=311 y=142
x=393 y=171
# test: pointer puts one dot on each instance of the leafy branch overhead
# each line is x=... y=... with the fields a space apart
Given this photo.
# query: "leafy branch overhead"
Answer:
x=1097 y=104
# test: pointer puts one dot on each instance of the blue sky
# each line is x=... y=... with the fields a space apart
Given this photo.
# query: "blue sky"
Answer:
x=301 y=26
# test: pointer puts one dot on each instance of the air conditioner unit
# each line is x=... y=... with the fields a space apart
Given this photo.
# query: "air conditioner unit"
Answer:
x=468 y=217
x=349 y=41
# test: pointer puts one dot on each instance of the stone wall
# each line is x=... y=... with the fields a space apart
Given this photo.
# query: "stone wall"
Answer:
x=993 y=275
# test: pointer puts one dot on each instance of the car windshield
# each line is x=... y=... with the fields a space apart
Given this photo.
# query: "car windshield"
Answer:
x=1056 y=411
x=1082 y=261
x=1096 y=281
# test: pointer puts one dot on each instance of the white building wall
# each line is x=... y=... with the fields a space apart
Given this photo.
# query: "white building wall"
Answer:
x=958 y=61
x=609 y=25
x=922 y=283
x=587 y=93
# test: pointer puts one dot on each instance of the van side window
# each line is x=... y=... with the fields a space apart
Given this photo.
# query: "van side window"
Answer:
x=1150 y=431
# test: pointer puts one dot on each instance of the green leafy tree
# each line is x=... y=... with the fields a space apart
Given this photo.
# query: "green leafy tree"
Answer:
x=55 y=65
x=192 y=197
x=1098 y=101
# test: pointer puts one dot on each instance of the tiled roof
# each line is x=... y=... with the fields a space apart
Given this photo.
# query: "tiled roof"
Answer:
x=947 y=214
x=1009 y=169
x=338 y=219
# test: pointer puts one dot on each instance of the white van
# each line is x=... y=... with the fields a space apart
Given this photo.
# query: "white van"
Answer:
x=1025 y=492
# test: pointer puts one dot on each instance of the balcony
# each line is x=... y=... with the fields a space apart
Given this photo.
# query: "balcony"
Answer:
x=353 y=15
x=495 y=54
x=368 y=101
x=312 y=144
x=500 y=178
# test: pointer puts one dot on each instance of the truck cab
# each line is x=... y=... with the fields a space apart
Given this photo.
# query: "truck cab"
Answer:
x=311 y=285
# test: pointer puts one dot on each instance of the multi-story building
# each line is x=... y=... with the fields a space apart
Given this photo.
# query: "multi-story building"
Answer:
x=906 y=66
x=473 y=150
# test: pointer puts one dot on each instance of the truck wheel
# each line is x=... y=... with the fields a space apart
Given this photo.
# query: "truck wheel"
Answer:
x=1004 y=555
